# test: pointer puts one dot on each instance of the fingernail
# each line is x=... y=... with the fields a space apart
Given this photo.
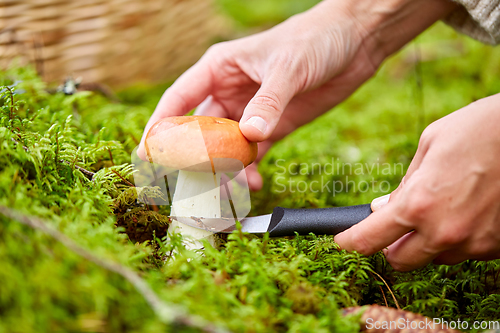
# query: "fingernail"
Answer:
x=379 y=202
x=385 y=251
x=259 y=123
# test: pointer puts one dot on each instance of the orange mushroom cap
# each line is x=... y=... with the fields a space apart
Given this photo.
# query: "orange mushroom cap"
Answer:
x=199 y=143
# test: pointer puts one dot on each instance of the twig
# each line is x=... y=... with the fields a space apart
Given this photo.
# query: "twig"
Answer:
x=111 y=156
x=123 y=179
x=383 y=294
x=168 y=313
x=168 y=189
x=390 y=291
x=87 y=173
x=134 y=139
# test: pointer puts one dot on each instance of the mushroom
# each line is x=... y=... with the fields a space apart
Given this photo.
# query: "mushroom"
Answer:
x=201 y=148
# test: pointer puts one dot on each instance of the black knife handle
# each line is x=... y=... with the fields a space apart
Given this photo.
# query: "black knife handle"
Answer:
x=320 y=221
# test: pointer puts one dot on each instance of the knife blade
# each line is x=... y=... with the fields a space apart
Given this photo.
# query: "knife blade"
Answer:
x=287 y=221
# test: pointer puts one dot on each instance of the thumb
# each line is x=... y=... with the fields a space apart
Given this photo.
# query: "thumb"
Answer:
x=264 y=110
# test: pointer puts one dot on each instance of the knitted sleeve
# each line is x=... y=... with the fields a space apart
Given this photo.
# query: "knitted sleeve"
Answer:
x=480 y=19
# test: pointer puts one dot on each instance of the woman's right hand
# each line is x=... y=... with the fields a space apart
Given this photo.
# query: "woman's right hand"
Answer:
x=275 y=81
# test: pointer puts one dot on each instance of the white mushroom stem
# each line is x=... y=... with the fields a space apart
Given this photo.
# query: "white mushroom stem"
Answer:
x=196 y=194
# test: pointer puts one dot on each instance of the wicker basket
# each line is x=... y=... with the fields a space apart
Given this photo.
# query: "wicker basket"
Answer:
x=110 y=41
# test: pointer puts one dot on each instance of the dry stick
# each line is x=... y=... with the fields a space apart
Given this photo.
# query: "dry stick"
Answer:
x=393 y=297
x=167 y=313
x=87 y=173
x=123 y=179
x=111 y=156
x=383 y=294
x=134 y=139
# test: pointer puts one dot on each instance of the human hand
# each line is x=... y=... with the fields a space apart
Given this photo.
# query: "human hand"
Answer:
x=255 y=79
x=278 y=80
x=447 y=209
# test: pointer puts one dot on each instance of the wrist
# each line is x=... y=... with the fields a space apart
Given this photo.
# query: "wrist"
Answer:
x=386 y=26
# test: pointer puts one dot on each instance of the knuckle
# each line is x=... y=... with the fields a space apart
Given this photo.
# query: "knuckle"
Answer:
x=286 y=61
x=290 y=65
x=267 y=102
x=447 y=238
x=419 y=205
x=216 y=51
x=215 y=48
x=362 y=244
x=178 y=97
x=427 y=135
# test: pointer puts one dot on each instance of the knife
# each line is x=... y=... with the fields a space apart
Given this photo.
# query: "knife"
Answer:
x=286 y=221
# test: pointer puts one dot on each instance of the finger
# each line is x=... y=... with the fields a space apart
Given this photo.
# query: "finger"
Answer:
x=189 y=90
x=409 y=252
x=264 y=110
x=252 y=177
x=377 y=231
x=210 y=107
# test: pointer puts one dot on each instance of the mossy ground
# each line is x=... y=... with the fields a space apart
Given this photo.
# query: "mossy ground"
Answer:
x=251 y=284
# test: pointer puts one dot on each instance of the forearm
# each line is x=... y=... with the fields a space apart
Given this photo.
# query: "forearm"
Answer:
x=395 y=23
x=384 y=26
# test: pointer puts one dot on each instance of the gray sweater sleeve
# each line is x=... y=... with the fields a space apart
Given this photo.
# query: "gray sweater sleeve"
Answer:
x=480 y=19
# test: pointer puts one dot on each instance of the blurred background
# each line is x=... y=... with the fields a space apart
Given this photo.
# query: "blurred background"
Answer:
x=114 y=42
x=122 y=41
